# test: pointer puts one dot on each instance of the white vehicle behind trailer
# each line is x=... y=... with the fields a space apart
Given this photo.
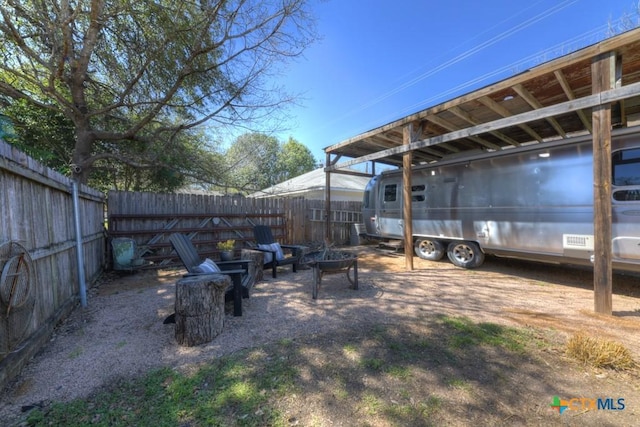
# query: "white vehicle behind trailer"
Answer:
x=533 y=202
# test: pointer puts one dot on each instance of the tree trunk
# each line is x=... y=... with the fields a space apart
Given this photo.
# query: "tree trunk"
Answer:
x=81 y=167
x=258 y=262
x=200 y=308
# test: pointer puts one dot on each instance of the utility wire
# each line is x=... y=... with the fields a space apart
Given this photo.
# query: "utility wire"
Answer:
x=461 y=57
x=590 y=36
x=524 y=62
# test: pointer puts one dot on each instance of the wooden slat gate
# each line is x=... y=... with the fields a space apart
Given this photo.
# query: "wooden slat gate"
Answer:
x=149 y=219
x=151 y=232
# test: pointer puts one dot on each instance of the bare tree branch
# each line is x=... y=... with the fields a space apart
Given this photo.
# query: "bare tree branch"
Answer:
x=148 y=71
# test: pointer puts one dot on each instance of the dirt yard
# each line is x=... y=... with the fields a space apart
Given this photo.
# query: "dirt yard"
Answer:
x=561 y=297
x=121 y=334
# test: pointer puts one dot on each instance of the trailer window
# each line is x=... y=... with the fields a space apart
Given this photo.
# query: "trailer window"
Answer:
x=365 y=199
x=626 y=167
x=626 y=195
x=417 y=193
x=390 y=193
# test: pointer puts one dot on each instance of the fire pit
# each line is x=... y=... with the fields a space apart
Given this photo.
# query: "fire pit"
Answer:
x=331 y=262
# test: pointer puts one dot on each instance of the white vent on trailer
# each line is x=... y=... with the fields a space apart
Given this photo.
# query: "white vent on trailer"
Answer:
x=577 y=241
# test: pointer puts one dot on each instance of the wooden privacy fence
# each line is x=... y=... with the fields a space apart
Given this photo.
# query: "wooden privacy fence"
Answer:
x=39 y=282
x=39 y=285
x=150 y=218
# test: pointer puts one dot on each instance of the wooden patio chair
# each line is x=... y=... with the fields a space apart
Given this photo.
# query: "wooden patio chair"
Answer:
x=240 y=271
x=275 y=252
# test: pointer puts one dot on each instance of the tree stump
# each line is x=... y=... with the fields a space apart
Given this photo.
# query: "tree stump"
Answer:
x=302 y=251
x=200 y=308
x=258 y=262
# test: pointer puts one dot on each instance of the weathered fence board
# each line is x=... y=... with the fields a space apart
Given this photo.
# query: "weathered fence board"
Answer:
x=149 y=219
x=36 y=209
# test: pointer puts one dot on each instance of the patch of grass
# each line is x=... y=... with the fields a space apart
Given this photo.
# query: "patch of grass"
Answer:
x=340 y=390
x=397 y=346
x=379 y=332
x=285 y=341
x=405 y=394
x=332 y=368
x=432 y=404
x=423 y=344
x=402 y=377
x=400 y=372
x=228 y=391
x=466 y=333
x=371 y=403
x=458 y=383
x=405 y=415
x=373 y=363
x=412 y=414
x=350 y=350
x=600 y=353
x=75 y=353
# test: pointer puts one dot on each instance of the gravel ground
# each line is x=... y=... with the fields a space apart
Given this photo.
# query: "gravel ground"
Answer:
x=121 y=332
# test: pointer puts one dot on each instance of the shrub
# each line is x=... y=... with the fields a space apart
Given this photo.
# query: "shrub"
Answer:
x=599 y=352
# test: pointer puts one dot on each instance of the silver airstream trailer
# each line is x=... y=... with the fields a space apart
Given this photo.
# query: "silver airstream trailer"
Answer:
x=533 y=202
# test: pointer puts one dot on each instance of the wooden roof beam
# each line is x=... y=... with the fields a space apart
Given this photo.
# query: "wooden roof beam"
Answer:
x=624 y=92
x=334 y=160
x=571 y=96
x=427 y=154
x=586 y=53
x=451 y=127
x=448 y=126
x=469 y=119
x=381 y=141
x=502 y=111
x=351 y=172
x=535 y=104
x=419 y=156
x=435 y=153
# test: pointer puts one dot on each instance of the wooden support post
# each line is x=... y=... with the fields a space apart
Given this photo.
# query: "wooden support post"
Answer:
x=407 y=138
x=602 y=78
x=200 y=308
x=327 y=213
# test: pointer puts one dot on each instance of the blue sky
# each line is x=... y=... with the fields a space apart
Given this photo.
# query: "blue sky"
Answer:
x=380 y=60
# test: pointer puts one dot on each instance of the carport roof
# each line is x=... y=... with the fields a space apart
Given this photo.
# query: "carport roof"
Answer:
x=548 y=102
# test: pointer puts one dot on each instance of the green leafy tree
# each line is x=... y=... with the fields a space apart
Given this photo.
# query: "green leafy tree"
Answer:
x=251 y=162
x=6 y=127
x=294 y=159
x=133 y=77
x=256 y=161
x=47 y=136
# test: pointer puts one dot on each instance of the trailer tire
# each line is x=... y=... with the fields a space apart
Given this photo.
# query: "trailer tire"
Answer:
x=432 y=250
x=465 y=254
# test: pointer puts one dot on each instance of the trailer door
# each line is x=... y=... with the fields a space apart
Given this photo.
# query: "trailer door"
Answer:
x=390 y=221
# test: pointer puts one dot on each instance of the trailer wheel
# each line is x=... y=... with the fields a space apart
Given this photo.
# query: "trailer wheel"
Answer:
x=465 y=254
x=431 y=250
